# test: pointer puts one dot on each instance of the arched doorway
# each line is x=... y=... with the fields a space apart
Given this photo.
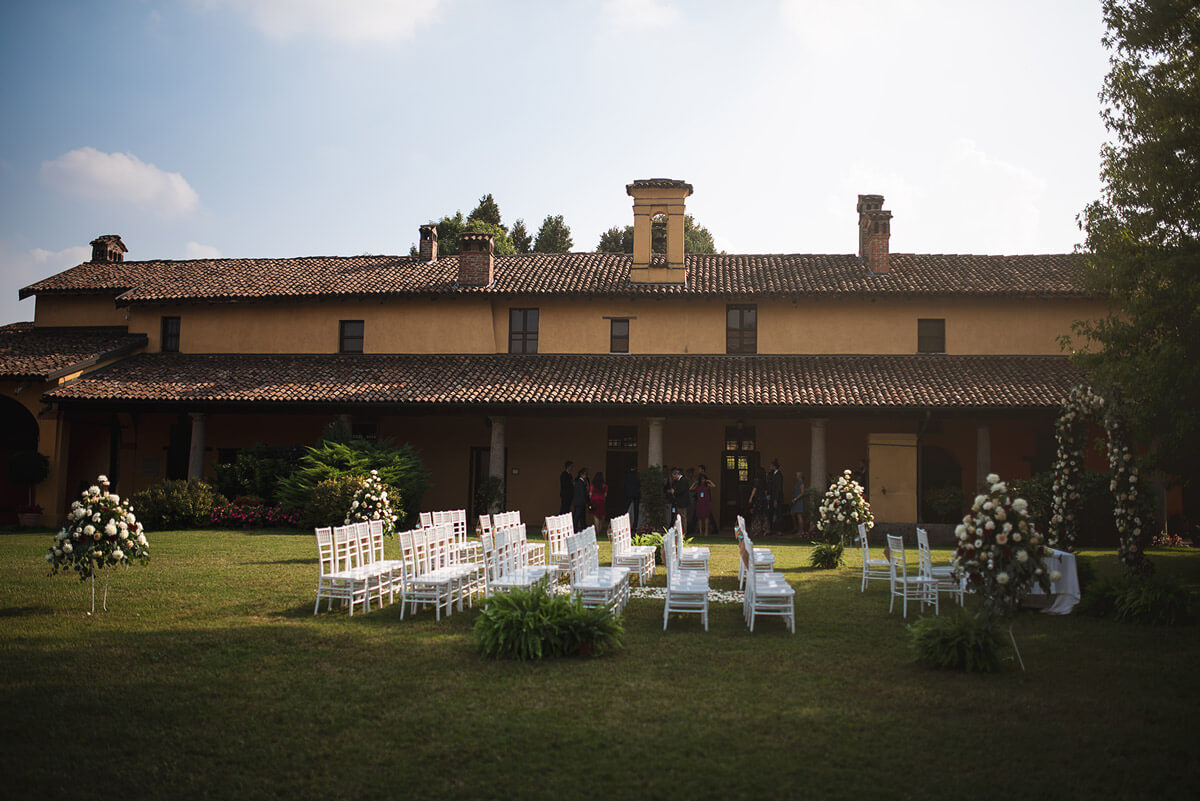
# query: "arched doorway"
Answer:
x=18 y=432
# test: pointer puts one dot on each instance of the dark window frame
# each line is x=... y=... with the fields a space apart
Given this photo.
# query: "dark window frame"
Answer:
x=523 y=326
x=348 y=341
x=741 y=337
x=169 y=335
x=615 y=340
x=931 y=335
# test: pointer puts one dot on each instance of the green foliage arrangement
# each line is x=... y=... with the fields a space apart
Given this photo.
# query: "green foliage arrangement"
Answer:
x=944 y=504
x=654 y=497
x=534 y=624
x=399 y=467
x=329 y=500
x=826 y=555
x=956 y=641
x=101 y=531
x=1148 y=599
x=28 y=467
x=652 y=538
x=178 y=504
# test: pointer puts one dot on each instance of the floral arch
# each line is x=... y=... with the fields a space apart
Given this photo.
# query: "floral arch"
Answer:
x=1083 y=405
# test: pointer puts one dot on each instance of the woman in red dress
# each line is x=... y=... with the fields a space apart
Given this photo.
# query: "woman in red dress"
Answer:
x=599 y=499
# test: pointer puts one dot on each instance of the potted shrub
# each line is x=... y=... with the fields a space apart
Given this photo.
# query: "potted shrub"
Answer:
x=28 y=467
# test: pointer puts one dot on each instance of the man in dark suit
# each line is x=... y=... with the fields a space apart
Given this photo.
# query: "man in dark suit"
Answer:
x=775 y=494
x=565 y=489
x=579 y=500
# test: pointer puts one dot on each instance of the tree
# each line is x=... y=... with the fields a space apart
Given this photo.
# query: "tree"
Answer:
x=451 y=228
x=554 y=236
x=487 y=211
x=696 y=238
x=521 y=240
x=1143 y=234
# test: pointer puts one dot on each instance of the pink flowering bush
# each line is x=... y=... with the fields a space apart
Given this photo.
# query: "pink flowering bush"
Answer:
x=253 y=513
x=101 y=530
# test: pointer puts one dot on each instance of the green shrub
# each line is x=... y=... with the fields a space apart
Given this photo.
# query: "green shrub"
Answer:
x=652 y=538
x=330 y=501
x=533 y=624
x=944 y=504
x=177 y=504
x=256 y=471
x=1153 y=600
x=400 y=468
x=1100 y=600
x=826 y=555
x=1086 y=570
x=28 y=467
x=957 y=641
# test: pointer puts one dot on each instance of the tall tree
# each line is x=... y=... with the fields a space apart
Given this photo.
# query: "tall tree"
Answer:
x=554 y=236
x=451 y=228
x=1143 y=234
x=521 y=240
x=487 y=211
x=696 y=238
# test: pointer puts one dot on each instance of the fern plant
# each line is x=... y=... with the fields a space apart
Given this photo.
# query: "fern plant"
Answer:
x=959 y=641
x=537 y=624
x=826 y=555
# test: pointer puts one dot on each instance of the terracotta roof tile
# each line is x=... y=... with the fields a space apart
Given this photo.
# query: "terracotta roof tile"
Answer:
x=603 y=274
x=810 y=382
x=43 y=353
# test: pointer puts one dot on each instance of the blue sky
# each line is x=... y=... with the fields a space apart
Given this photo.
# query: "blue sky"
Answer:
x=245 y=128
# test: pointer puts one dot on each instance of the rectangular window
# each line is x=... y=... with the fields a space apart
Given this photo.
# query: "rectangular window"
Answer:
x=350 y=336
x=522 y=330
x=622 y=438
x=619 y=339
x=170 y=335
x=741 y=328
x=931 y=336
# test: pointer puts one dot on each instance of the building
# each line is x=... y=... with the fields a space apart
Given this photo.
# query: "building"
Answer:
x=936 y=369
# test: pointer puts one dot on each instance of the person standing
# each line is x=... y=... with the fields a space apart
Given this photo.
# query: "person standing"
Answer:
x=798 y=502
x=566 y=490
x=759 y=523
x=775 y=495
x=579 y=500
x=703 y=489
x=680 y=492
x=690 y=476
x=599 y=503
x=631 y=487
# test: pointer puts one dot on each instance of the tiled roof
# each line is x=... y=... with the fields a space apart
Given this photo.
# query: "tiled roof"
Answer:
x=43 y=353
x=714 y=382
x=603 y=274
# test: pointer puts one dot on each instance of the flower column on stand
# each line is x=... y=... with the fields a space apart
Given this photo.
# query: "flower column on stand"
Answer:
x=101 y=531
x=372 y=501
x=1000 y=555
x=843 y=510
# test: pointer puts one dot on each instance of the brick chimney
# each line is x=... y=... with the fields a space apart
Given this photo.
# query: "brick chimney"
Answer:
x=476 y=262
x=874 y=231
x=428 y=250
x=108 y=248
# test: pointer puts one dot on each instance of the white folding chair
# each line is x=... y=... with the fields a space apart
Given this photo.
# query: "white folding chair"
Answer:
x=687 y=590
x=348 y=561
x=763 y=558
x=872 y=569
x=639 y=559
x=767 y=594
x=558 y=528
x=508 y=562
x=904 y=585
x=944 y=579
x=334 y=584
x=691 y=557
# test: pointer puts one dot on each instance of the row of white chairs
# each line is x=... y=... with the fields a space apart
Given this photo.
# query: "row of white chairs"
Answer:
x=592 y=584
x=535 y=552
x=639 y=559
x=763 y=558
x=924 y=587
x=687 y=581
x=438 y=572
x=767 y=592
x=507 y=559
x=457 y=519
x=352 y=568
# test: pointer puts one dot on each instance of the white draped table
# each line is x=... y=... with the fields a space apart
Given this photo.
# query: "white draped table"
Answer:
x=1064 y=593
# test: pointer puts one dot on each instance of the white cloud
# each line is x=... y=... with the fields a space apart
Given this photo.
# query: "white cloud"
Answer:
x=57 y=261
x=194 y=250
x=351 y=21
x=641 y=15
x=91 y=174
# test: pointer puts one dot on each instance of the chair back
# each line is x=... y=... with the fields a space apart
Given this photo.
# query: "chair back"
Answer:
x=924 y=557
x=558 y=528
x=862 y=541
x=899 y=565
x=485 y=524
x=426 y=519
x=325 y=550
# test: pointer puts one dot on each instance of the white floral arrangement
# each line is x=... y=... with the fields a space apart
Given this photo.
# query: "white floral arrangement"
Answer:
x=844 y=508
x=101 y=531
x=1083 y=404
x=1000 y=553
x=373 y=501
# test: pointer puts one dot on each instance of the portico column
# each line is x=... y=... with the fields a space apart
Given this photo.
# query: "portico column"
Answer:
x=817 y=469
x=196 y=454
x=496 y=454
x=654 y=449
x=983 y=455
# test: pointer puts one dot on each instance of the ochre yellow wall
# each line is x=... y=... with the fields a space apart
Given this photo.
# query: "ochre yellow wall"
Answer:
x=470 y=325
x=893 y=477
x=68 y=310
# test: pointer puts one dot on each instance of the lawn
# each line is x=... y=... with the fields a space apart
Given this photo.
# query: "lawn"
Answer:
x=209 y=677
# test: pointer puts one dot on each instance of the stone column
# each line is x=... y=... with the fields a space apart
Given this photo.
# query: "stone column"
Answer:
x=496 y=455
x=654 y=449
x=196 y=454
x=983 y=455
x=817 y=469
